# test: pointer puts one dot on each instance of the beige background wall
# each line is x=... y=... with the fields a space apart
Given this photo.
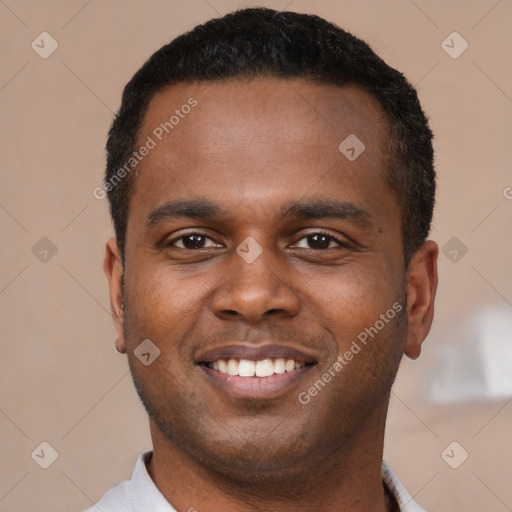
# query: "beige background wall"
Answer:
x=63 y=382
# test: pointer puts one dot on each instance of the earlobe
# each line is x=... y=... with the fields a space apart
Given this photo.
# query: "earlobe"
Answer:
x=113 y=267
x=421 y=291
x=120 y=346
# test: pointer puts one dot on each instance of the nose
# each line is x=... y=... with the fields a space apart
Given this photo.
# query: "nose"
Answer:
x=253 y=291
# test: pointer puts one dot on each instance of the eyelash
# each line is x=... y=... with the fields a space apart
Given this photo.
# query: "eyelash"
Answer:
x=341 y=244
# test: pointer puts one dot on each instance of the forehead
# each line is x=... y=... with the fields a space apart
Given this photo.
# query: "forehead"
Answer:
x=238 y=111
x=249 y=141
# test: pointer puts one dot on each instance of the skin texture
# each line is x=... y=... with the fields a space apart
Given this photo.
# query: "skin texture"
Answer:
x=254 y=147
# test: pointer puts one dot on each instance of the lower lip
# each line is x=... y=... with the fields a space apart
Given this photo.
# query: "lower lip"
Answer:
x=256 y=388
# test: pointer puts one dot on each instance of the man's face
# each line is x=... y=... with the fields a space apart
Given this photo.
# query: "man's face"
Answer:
x=255 y=167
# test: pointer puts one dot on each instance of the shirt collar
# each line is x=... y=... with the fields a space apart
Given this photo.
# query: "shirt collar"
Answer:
x=403 y=498
x=144 y=494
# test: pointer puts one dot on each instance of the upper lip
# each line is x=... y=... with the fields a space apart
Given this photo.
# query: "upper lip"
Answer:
x=255 y=353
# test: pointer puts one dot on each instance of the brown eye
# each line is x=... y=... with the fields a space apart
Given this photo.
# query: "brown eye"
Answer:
x=192 y=241
x=319 y=241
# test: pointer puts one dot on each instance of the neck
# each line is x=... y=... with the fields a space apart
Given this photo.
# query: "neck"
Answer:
x=347 y=479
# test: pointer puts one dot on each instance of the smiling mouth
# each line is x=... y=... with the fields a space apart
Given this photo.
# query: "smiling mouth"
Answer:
x=261 y=368
x=258 y=372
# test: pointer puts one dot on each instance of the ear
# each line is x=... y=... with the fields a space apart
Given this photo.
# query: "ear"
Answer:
x=113 y=267
x=421 y=291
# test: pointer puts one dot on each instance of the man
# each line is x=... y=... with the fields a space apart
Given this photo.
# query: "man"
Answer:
x=271 y=185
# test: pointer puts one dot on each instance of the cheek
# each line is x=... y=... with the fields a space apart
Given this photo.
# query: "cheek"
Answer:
x=366 y=316
x=163 y=309
x=351 y=298
x=161 y=304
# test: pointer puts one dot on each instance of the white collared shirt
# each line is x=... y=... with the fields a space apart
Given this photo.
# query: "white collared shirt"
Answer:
x=140 y=494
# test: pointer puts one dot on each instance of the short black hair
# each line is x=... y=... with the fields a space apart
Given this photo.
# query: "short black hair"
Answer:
x=263 y=42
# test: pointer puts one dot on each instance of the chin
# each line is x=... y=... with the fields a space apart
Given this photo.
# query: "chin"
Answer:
x=247 y=453
x=251 y=464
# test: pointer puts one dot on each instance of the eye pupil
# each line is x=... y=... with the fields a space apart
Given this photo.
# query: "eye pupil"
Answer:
x=319 y=241
x=193 y=241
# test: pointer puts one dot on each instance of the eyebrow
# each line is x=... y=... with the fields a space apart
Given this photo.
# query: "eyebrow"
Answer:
x=179 y=208
x=322 y=209
x=205 y=209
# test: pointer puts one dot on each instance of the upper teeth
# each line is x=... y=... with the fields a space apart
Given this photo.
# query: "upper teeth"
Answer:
x=248 y=368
